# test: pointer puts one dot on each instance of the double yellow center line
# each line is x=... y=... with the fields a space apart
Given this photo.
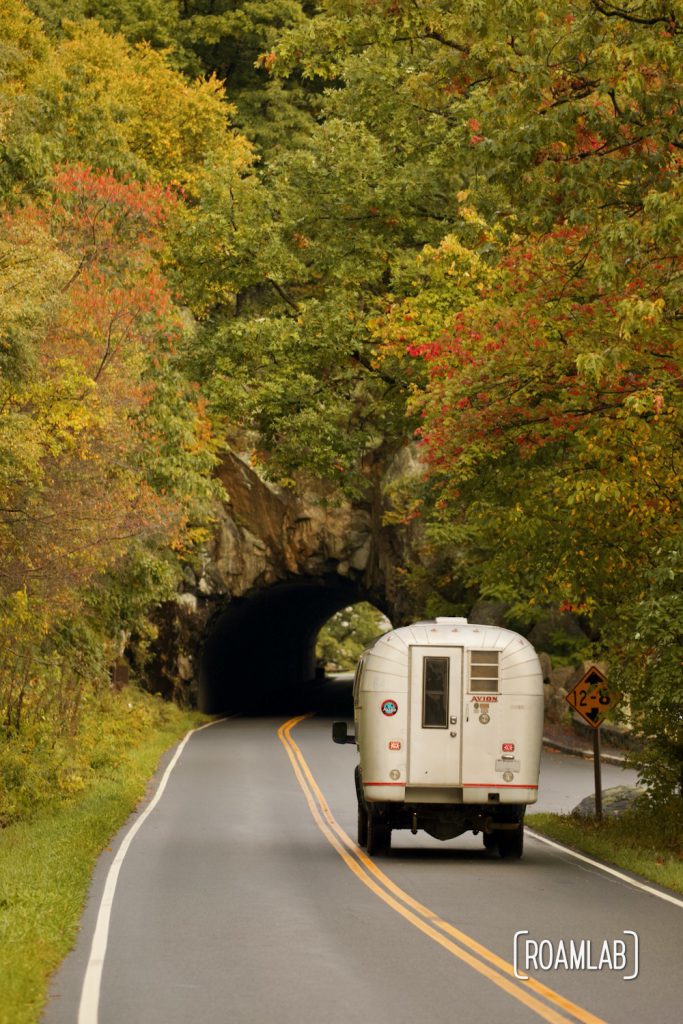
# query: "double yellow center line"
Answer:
x=549 y=1005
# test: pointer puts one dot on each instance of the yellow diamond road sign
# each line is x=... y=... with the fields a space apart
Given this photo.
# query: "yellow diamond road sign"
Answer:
x=592 y=697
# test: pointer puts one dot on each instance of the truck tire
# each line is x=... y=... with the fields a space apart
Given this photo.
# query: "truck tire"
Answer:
x=362 y=837
x=378 y=835
x=511 y=844
x=362 y=825
x=490 y=841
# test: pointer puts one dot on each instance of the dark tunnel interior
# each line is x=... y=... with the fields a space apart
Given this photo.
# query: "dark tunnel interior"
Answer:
x=259 y=652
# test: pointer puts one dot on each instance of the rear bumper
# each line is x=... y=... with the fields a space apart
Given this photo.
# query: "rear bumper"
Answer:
x=492 y=794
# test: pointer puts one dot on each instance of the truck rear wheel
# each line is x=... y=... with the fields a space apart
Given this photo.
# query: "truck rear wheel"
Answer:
x=511 y=844
x=362 y=809
x=362 y=825
x=378 y=835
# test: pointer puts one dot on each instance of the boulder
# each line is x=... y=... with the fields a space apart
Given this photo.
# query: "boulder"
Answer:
x=615 y=801
x=546 y=666
x=555 y=704
x=488 y=613
x=565 y=676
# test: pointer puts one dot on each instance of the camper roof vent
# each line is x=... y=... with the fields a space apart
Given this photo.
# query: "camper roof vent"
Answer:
x=451 y=620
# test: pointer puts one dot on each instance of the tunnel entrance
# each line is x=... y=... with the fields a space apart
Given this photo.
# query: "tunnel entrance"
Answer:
x=347 y=634
x=259 y=652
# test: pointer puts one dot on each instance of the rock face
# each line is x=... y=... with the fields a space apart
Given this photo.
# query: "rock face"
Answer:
x=308 y=552
x=266 y=534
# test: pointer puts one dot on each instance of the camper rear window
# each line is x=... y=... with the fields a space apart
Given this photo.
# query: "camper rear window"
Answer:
x=484 y=671
x=435 y=693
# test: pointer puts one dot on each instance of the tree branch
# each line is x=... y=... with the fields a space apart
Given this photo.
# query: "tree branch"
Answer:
x=611 y=11
x=433 y=34
x=283 y=294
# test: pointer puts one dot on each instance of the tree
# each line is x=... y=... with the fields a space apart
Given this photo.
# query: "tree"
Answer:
x=205 y=38
x=96 y=414
x=537 y=439
x=104 y=449
x=529 y=158
x=106 y=446
x=97 y=100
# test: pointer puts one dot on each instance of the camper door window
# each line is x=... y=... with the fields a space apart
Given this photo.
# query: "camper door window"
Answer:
x=435 y=693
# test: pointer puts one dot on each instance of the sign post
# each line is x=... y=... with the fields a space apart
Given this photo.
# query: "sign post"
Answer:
x=592 y=698
x=597 y=773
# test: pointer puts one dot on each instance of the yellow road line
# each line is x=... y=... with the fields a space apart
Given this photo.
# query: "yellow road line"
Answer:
x=583 y=1015
x=501 y=973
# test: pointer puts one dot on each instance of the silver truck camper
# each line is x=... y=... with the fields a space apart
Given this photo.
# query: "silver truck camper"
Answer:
x=448 y=724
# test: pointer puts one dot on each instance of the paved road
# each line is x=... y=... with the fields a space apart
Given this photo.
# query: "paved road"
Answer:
x=233 y=905
x=566 y=779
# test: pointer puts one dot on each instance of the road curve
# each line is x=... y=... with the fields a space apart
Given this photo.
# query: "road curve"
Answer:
x=234 y=904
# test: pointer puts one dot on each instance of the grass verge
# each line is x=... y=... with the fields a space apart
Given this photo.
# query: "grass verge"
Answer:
x=646 y=842
x=46 y=862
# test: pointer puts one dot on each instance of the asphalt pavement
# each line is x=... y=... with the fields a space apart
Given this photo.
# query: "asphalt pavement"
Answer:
x=238 y=901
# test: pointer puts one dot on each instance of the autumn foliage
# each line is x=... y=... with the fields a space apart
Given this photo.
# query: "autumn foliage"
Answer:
x=459 y=235
x=88 y=477
x=546 y=351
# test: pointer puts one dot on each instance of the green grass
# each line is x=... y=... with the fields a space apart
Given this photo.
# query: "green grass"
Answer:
x=646 y=841
x=46 y=861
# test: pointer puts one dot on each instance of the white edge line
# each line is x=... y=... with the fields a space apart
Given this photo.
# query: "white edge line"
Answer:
x=88 y=1008
x=603 y=867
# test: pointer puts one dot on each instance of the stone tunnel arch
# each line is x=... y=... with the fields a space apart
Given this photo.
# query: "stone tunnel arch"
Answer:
x=258 y=652
x=241 y=631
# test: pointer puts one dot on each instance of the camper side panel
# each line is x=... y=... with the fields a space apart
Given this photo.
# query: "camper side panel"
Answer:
x=382 y=721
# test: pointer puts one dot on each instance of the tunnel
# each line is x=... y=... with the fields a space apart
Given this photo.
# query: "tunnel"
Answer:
x=258 y=654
